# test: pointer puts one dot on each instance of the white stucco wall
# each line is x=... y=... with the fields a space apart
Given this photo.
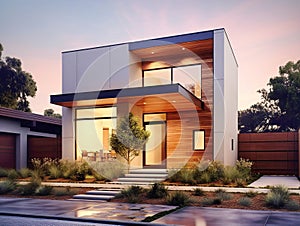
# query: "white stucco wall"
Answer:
x=225 y=100
x=14 y=127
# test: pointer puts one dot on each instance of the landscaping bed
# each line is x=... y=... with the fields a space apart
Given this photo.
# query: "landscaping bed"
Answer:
x=278 y=198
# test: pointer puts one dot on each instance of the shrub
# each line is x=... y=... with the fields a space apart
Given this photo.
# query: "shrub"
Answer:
x=207 y=201
x=157 y=190
x=292 y=205
x=55 y=172
x=231 y=174
x=240 y=182
x=28 y=189
x=24 y=172
x=44 y=190
x=3 y=172
x=204 y=178
x=199 y=192
x=63 y=191
x=217 y=201
x=245 y=201
x=178 y=198
x=36 y=175
x=184 y=175
x=43 y=165
x=244 y=167
x=277 y=197
x=132 y=194
x=12 y=174
x=251 y=194
x=7 y=186
x=109 y=170
x=76 y=171
x=215 y=170
x=223 y=195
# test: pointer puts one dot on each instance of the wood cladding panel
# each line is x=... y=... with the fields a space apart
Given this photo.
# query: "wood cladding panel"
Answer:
x=271 y=153
x=7 y=151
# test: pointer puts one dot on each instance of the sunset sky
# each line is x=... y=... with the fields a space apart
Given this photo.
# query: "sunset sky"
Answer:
x=264 y=34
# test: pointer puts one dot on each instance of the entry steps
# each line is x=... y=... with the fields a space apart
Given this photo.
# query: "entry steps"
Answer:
x=99 y=194
x=142 y=177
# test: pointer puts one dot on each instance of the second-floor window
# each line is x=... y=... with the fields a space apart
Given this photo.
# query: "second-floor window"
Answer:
x=188 y=76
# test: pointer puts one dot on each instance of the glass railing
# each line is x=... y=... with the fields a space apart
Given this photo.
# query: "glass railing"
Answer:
x=187 y=76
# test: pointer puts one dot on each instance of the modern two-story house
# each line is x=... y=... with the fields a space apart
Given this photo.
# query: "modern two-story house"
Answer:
x=183 y=88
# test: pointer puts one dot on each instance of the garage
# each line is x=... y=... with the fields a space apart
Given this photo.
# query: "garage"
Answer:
x=8 y=150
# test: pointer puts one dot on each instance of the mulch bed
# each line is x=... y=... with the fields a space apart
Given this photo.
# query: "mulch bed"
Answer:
x=257 y=202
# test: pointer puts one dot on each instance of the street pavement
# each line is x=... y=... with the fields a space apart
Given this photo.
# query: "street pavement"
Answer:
x=205 y=216
x=25 y=211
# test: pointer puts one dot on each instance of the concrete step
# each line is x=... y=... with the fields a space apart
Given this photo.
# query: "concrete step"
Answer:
x=148 y=171
x=128 y=179
x=103 y=192
x=142 y=175
x=132 y=182
x=93 y=197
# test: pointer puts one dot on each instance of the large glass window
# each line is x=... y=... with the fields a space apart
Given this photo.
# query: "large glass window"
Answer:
x=94 y=127
x=188 y=76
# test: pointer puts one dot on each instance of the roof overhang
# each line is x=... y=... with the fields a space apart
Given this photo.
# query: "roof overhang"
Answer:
x=166 y=98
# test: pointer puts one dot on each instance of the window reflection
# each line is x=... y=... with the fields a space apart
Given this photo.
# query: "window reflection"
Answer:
x=188 y=76
x=157 y=77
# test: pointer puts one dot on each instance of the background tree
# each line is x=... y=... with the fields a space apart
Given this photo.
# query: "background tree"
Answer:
x=50 y=112
x=129 y=138
x=16 y=85
x=279 y=109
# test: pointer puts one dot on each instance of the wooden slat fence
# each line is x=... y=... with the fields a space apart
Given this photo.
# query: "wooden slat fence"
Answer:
x=271 y=153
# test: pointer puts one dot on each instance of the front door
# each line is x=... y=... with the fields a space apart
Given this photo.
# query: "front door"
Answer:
x=155 y=149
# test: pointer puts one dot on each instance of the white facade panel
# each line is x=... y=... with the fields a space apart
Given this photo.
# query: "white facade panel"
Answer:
x=225 y=100
x=68 y=134
x=92 y=71
x=119 y=67
x=135 y=71
x=231 y=103
x=69 y=72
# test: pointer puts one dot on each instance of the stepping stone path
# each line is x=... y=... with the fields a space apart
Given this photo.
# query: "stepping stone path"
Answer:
x=134 y=177
x=99 y=194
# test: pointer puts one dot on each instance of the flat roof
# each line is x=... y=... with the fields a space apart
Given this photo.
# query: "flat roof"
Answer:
x=173 y=39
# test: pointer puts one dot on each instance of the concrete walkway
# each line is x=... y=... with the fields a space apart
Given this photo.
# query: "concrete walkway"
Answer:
x=267 y=181
x=260 y=186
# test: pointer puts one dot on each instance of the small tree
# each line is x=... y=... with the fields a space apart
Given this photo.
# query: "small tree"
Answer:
x=129 y=138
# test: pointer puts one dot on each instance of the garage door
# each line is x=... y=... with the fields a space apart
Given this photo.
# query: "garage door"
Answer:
x=7 y=150
x=43 y=147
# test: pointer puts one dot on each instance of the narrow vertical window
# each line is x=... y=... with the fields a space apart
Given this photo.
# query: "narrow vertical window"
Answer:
x=199 y=140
